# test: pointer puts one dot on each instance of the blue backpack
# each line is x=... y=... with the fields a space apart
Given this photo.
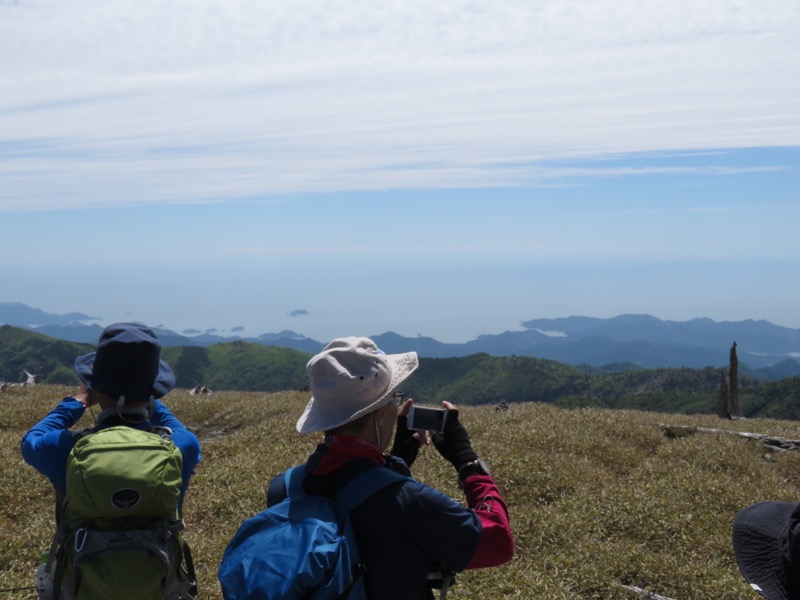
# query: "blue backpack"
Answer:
x=303 y=547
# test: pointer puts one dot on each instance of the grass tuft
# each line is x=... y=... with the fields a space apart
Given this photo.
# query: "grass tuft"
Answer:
x=597 y=497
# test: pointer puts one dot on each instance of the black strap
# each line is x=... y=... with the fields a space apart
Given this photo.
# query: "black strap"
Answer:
x=77 y=435
x=358 y=573
x=187 y=556
x=276 y=490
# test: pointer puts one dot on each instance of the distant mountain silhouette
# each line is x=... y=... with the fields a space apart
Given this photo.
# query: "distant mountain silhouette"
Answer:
x=641 y=340
x=22 y=315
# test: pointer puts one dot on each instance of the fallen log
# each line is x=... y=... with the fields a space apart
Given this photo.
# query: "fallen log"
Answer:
x=770 y=442
x=643 y=593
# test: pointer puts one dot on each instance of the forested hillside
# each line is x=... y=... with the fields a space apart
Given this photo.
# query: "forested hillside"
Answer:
x=477 y=379
x=51 y=359
x=239 y=366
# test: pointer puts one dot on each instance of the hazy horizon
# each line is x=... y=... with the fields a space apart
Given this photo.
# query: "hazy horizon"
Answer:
x=242 y=331
x=449 y=169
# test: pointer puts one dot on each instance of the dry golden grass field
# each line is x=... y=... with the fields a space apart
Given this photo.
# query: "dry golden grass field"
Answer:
x=597 y=497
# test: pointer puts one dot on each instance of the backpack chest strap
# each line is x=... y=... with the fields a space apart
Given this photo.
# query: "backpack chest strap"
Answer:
x=87 y=542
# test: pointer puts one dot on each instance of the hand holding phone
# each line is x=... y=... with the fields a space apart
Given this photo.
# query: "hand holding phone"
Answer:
x=422 y=418
x=455 y=445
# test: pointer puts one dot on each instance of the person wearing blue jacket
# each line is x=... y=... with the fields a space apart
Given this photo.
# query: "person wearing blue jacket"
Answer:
x=125 y=378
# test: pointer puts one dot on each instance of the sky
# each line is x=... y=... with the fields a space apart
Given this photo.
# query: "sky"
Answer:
x=445 y=169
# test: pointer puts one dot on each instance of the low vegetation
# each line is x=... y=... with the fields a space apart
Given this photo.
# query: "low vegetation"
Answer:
x=474 y=380
x=598 y=497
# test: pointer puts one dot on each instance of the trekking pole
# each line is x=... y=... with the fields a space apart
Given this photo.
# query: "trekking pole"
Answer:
x=446 y=577
x=445 y=586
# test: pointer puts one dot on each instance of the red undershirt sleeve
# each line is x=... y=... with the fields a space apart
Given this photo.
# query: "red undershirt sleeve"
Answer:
x=496 y=545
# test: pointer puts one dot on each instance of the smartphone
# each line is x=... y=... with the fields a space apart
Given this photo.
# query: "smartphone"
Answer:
x=427 y=419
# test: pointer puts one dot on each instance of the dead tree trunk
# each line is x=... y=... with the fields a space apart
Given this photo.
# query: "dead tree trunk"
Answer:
x=733 y=384
x=728 y=405
x=722 y=401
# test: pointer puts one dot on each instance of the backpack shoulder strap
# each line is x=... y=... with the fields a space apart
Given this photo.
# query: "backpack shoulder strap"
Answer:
x=77 y=435
x=163 y=431
x=289 y=484
x=364 y=485
x=293 y=481
x=276 y=489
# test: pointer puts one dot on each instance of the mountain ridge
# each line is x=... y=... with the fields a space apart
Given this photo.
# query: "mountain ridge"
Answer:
x=640 y=339
x=474 y=379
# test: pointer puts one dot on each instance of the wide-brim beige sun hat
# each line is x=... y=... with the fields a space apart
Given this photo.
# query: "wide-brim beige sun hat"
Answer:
x=350 y=378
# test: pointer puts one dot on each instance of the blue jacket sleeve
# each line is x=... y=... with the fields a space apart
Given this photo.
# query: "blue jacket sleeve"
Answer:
x=448 y=531
x=47 y=444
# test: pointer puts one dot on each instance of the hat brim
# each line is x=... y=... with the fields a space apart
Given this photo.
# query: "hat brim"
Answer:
x=315 y=418
x=759 y=535
x=164 y=383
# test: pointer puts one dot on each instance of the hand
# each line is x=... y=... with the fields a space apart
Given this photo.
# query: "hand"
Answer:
x=406 y=441
x=454 y=444
x=84 y=395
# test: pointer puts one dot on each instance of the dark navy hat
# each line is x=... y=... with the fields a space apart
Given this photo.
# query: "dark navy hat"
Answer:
x=766 y=541
x=127 y=363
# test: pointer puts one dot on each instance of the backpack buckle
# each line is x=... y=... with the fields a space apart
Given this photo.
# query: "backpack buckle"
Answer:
x=80 y=539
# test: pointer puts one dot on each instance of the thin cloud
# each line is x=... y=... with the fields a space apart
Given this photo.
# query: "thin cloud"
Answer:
x=208 y=102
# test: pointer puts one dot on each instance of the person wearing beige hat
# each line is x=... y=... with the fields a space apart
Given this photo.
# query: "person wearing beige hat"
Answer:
x=407 y=530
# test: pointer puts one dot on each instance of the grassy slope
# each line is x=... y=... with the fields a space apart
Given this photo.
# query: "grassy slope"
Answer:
x=596 y=496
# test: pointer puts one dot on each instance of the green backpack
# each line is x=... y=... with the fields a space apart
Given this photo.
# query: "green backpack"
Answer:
x=120 y=534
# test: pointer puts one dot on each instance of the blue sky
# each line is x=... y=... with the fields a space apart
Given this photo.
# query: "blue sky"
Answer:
x=444 y=170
